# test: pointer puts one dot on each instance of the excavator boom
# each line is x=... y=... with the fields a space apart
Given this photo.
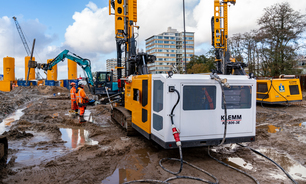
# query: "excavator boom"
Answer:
x=83 y=63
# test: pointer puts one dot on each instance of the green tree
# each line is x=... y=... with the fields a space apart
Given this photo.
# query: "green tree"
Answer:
x=200 y=64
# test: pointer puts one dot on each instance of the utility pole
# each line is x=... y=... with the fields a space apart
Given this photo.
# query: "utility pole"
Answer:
x=184 y=34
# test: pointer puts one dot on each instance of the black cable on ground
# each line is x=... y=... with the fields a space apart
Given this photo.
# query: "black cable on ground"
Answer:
x=233 y=167
x=175 y=159
x=177 y=176
x=257 y=152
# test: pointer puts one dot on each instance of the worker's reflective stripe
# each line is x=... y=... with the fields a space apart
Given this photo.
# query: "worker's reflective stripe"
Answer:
x=72 y=94
x=79 y=97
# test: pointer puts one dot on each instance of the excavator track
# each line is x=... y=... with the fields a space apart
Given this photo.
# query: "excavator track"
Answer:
x=122 y=116
x=3 y=148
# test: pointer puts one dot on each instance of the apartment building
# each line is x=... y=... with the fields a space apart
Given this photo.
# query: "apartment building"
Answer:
x=168 y=47
x=111 y=65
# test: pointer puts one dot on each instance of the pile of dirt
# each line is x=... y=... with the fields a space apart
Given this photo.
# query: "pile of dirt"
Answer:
x=40 y=90
x=16 y=134
x=50 y=90
x=25 y=90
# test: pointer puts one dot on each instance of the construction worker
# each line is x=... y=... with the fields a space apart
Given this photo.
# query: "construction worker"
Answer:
x=82 y=99
x=74 y=105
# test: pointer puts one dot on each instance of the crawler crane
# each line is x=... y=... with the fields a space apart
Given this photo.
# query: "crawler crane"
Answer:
x=179 y=110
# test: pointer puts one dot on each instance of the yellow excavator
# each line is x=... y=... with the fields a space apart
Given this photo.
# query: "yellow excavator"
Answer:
x=178 y=110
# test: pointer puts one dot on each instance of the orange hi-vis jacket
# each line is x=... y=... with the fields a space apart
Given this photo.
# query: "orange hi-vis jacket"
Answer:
x=72 y=94
x=81 y=96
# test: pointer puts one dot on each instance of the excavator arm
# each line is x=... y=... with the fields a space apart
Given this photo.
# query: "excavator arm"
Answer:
x=83 y=63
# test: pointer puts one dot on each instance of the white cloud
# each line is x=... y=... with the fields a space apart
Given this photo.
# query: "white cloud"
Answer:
x=92 y=6
x=12 y=46
x=92 y=31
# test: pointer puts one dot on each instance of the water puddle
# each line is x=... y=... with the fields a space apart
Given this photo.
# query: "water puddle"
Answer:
x=7 y=122
x=136 y=162
x=38 y=149
x=294 y=168
x=238 y=163
x=76 y=137
x=34 y=151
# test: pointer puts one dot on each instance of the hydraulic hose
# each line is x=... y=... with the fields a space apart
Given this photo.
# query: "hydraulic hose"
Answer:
x=225 y=114
x=217 y=78
x=257 y=152
x=257 y=182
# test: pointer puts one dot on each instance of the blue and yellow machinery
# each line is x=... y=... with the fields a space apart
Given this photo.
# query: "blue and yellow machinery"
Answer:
x=279 y=90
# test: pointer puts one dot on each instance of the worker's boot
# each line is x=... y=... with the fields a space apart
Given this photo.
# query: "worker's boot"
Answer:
x=82 y=120
x=76 y=113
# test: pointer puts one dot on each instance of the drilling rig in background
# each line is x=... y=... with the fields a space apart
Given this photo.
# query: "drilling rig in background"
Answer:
x=219 y=26
x=179 y=110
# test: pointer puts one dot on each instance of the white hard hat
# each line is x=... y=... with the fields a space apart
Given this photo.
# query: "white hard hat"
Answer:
x=82 y=83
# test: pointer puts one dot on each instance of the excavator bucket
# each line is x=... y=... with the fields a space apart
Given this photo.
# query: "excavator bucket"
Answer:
x=3 y=147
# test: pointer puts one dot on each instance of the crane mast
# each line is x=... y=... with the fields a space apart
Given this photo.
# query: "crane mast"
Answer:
x=125 y=12
x=219 y=24
x=24 y=41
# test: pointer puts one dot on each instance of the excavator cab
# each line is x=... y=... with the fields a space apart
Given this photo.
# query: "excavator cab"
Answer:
x=105 y=80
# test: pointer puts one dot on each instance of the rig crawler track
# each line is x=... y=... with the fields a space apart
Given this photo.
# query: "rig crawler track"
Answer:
x=122 y=116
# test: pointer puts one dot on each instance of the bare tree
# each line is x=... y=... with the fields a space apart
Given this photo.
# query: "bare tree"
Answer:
x=280 y=29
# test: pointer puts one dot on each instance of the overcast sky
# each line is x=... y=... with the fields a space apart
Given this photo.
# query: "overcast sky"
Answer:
x=85 y=28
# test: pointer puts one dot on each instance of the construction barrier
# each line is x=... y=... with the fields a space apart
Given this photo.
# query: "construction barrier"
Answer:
x=23 y=83
x=66 y=83
x=49 y=83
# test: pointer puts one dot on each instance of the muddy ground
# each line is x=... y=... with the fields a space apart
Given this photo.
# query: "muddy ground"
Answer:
x=46 y=145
